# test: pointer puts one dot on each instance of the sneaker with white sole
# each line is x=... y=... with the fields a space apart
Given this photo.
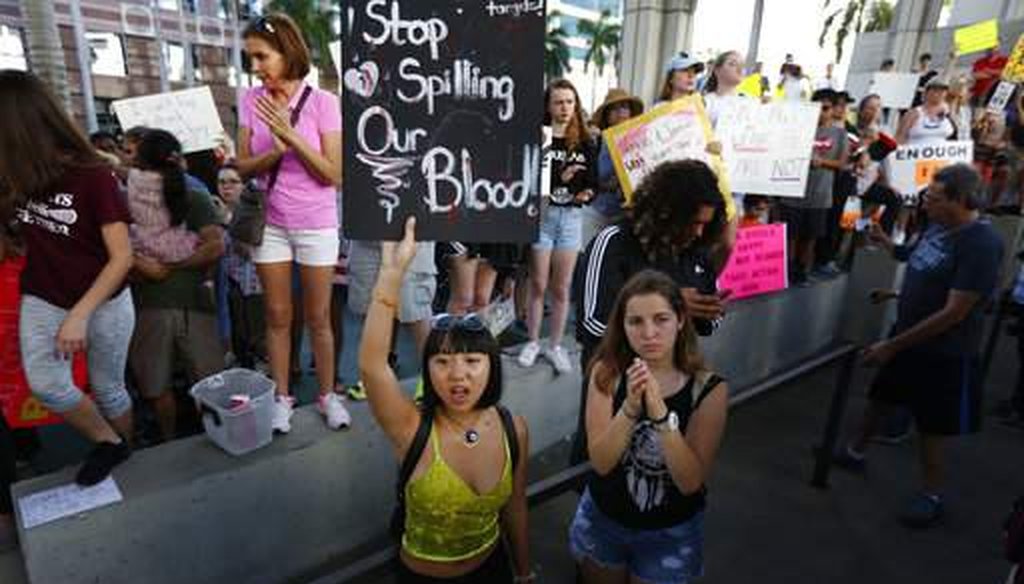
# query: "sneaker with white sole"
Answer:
x=528 y=356
x=560 y=359
x=281 y=419
x=332 y=407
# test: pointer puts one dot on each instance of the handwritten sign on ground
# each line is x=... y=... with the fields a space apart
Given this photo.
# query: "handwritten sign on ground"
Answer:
x=675 y=130
x=767 y=147
x=911 y=167
x=1014 y=70
x=189 y=114
x=758 y=262
x=976 y=37
x=64 y=501
x=17 y=404
x=443 y=115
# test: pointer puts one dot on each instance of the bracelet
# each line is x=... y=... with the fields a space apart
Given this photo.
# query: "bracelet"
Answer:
x=381 y=298
x=531 y=577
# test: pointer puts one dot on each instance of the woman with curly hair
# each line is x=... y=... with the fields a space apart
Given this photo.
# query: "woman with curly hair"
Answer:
x=677 y=217
x=654 y=418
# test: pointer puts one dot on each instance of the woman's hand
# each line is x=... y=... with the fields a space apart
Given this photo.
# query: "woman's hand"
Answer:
x=397 y=256
x=278 y=121
x=585 y=196
x=569 y=172
x=71 y=335
x=654 y=404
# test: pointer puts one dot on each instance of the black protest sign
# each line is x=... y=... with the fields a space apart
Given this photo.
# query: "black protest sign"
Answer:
x=443 y=105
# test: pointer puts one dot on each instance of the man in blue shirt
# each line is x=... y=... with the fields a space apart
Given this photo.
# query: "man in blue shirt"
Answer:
x=930 y=363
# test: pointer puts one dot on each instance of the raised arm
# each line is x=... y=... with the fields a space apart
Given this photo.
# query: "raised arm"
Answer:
x=394 y=411
x=608 y=431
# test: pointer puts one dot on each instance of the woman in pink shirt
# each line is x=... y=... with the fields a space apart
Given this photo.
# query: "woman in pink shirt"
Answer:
x=301 y=207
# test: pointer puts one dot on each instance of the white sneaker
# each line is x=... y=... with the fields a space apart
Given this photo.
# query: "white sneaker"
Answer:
x=281 y=419
x=528 y=356
x=560 y=359
x=333 y=408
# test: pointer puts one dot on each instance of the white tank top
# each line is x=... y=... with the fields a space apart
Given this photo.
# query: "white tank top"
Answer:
x=930 y=129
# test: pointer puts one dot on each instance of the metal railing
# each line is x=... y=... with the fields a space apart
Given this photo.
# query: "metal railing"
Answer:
x=544 y=490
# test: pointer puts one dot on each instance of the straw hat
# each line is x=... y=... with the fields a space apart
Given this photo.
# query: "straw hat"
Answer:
x=615 y=97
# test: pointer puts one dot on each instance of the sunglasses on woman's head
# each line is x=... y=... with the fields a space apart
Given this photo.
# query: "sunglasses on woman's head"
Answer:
x=264 y=24
x=447 y=322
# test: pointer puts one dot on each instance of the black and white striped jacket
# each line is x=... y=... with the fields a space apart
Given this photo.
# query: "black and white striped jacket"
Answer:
x=610 y=260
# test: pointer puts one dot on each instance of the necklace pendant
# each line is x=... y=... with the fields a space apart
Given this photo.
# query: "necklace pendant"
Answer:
x=471 y=437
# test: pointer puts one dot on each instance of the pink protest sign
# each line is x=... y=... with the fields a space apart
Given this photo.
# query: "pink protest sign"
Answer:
x=758 y=262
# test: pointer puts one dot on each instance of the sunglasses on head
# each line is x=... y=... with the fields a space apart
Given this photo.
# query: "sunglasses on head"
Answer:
x=263 y=23
x=446 y=322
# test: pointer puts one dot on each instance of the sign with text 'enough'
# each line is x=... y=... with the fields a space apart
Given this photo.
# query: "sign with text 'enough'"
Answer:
x=767 y=147
x=911 y=167
x=758 y=262
x=675 y=130
x=443 y=104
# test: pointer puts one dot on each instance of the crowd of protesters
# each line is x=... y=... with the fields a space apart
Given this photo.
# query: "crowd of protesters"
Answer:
x=129 y=258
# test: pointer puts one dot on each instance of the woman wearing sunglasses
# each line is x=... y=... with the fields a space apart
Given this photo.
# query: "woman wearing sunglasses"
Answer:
x=466 y=492
x=289 y=139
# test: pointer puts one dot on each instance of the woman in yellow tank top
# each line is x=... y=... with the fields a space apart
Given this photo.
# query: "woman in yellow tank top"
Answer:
x=465 y=498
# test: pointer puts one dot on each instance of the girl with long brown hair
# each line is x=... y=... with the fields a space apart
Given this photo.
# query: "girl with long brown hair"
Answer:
x=73 y=223
x=573 y=163
x=655 y=417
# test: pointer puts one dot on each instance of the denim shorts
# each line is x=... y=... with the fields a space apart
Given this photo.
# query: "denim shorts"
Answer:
x=561 y=229
x=673 y=555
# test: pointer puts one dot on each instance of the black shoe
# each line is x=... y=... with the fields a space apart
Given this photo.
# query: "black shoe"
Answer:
x=103 y=458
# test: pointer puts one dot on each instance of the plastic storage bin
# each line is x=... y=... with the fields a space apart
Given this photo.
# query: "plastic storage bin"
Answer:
x=236 y=427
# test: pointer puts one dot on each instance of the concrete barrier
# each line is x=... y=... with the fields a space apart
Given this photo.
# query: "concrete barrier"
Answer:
x=192 y=513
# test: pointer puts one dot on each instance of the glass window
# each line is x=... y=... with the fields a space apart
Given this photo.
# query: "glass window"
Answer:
x=107 y=54
x=197 y=67
x=174 y=56
x=12 y=49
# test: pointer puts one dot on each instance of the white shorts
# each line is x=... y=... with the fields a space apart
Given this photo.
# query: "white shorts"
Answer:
x=306 y=247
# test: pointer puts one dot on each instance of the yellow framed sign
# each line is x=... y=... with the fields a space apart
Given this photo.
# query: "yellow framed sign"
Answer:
x=977 y=37
x=1014 y=70
x=675 y=130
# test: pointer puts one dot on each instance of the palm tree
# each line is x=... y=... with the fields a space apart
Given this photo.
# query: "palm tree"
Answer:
x=45 y=52
x=603 y=35
x=556 y=48
x=317 y=21
x=857 y=16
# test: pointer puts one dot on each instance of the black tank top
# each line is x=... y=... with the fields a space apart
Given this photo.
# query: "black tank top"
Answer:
x=639 y=493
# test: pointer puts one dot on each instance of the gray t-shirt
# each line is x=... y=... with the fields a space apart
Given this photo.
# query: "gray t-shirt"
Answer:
x=829 y=144
x=965 y=259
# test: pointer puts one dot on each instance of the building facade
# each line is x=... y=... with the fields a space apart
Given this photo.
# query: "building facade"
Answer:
x=141 y=47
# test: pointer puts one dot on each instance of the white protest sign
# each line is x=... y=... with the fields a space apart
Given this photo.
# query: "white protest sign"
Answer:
x=896 y=89
x=911 y=167
x=1000 y=97
x=767 y=147
x=65 y=501
x=190 y=114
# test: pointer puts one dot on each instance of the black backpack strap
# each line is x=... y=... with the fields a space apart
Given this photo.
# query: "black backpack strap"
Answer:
x=510 y=433
x=412 y=456
x=276 y=169
x=706 y=383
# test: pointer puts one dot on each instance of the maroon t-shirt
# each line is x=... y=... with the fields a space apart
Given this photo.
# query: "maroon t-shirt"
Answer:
x=63 y=238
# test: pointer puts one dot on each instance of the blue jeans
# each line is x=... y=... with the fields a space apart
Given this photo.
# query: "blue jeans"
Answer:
x=673 y=555
x=561 y=228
